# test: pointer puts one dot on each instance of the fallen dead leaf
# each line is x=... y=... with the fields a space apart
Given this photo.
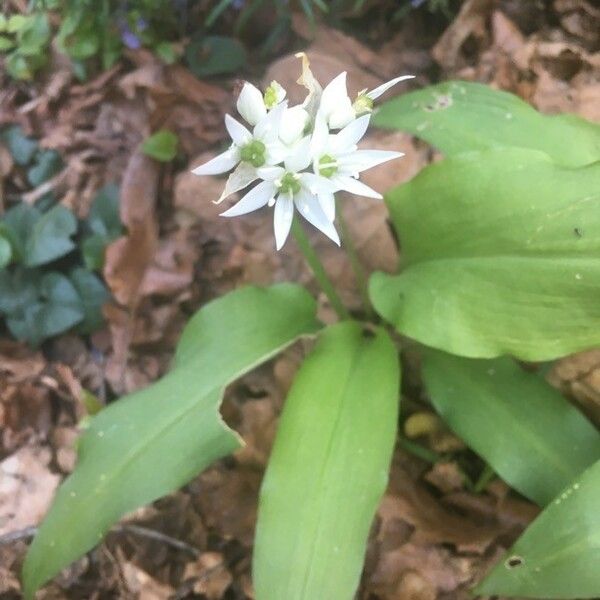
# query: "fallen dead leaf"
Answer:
x=26 y=488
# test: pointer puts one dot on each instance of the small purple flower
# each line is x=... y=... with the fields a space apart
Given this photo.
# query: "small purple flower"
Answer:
x=130 y=39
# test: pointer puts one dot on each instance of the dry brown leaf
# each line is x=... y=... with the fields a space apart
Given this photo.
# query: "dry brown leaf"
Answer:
x=142 y=585
x=128 y=258
x=210 y=574
x=26 y=488
x=470 y=21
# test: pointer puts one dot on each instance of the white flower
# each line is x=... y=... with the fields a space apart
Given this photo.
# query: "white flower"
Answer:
x=298 y=162
x=336 y=106
x=337 y=158
x=288 y=187
x=274 y=95
x=293 y=124
x=253 y=105
x=249 y=150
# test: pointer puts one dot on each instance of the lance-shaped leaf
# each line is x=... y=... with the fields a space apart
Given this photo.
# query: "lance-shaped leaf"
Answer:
x=458 y=116
x=559 y=553
x=501 y=253
x=155 y=440
x=532 y=437
x=328 y=468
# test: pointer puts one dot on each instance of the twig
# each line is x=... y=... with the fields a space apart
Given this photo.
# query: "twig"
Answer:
x=158 y=536
x=19 y=534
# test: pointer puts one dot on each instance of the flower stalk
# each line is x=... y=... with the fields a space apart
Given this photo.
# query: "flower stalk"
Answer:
x=318 y=270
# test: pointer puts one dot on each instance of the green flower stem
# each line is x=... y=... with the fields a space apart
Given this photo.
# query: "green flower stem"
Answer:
x=359 y=272
x=319 y=270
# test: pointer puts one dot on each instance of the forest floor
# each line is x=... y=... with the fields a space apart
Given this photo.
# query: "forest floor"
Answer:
x=433 y=538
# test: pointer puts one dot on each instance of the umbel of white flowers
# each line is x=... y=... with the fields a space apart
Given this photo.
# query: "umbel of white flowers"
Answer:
x=298 y=156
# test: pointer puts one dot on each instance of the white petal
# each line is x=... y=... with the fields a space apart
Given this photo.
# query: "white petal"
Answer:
x=319 y=142
x=310 y=208
x=293 y=123
x=256 y=198
x=348 y=137
x=299 y=157
x=378 y=91
x=361 y=160
x=250 y=104
x=282 y=219
x=219 y=164
x=343 y=114
x=317 y=184
x=349 y=184
x=239 y=134
x=276 y=152
x=327 y=202
x=270 y=173
x=267 y=129
x=242 y=177
x=333 y=95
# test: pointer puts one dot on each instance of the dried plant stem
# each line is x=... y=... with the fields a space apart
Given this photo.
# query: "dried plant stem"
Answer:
x=318 y=270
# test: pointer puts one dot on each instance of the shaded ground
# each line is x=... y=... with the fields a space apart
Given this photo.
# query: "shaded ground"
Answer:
x=433 y=537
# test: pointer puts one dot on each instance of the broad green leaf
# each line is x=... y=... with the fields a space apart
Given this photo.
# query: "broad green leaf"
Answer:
x=50 y=236
x=92 y=294
x=35 y=35
x=47 y=164
x=17 y=224
x=214 y=55
x=105 y=224
x=6 y=43
x=156 y=440
x=38 y=307
x=531 y=436
x=18 y=288
x=5 y=251
x=328 y=468
x=559 y=553
x=161 y=146
x=62 y=308
x=104 y=216
x=501 y=255
x=21 y=147
x=459 y=116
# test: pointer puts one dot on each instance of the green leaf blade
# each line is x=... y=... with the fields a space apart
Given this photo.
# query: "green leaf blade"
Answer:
x=459 y=116
x=328 y=468
x=50 y=236
x=161 y=146
x=531 y=436
x=493 y=264
x=559 y=553
x=155 y=440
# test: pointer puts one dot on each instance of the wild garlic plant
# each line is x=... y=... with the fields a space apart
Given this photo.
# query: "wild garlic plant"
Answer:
x=499 y=247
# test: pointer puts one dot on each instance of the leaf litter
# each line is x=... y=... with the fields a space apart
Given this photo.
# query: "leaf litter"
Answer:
x=433 y=538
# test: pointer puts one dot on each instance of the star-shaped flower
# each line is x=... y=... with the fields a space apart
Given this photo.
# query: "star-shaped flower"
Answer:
x=337 y=158
x=286 y=187
x=338 y=110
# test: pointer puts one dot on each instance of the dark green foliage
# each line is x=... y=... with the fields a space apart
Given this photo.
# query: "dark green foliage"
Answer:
x=47 y=256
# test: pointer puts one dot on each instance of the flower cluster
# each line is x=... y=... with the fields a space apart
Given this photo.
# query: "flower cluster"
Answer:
x=298 y=156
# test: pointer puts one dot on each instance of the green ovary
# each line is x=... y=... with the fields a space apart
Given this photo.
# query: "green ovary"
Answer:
x=270 y=95
x=254 y=153
x=289 y=184
x=327 y=166
x=363 y=104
